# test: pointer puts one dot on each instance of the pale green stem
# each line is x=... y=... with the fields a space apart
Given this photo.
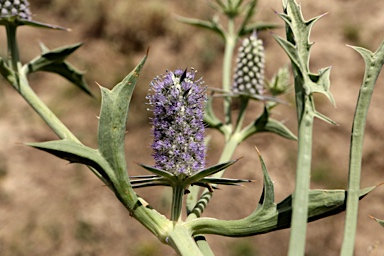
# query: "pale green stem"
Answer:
x=203 y=245
x=240 y=118
x=230 y=43
x=373 y=65
x=180 y=239
x=24 y=89
x=45 y=113
x=301 y=193
x=355 y=158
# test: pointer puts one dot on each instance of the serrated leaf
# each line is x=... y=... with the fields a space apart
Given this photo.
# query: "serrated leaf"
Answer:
x=267 y=199
x=7 y=73
x=159 y=172
x=258 y=26
x=210 y=117
x=325 y=118
x=321 y=83
x=210 y=25
x=208 y=171
x=20 y=22
x=47 y=57
x=289 y=49
x=54 y=61
x=78 y=153
x=113 y=119
x=322 y=203
x=297 y=47
x=381 y=222
x=222 y=181
x=266 y=124
x=279 y=128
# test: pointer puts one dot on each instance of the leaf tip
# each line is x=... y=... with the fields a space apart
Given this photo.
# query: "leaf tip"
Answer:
x=257 y=151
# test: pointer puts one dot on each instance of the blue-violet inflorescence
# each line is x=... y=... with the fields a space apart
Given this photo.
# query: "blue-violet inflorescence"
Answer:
x=177 y=102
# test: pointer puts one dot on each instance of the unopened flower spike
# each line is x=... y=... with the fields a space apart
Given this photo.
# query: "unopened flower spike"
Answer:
x=250 y=63
x=18 y=9
x=17 y=13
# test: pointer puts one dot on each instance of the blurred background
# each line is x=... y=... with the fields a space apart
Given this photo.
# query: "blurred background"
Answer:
x=50 y=207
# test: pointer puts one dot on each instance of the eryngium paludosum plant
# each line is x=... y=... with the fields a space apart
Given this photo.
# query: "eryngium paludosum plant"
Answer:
x=177 y=102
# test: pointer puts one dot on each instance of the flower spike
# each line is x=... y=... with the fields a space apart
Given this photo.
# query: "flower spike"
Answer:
x=177 y=101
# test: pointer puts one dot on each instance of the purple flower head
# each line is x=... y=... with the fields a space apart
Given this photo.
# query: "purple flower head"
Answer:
x=177 y=102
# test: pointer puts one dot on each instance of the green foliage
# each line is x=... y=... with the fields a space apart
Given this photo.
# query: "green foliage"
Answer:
x=108 y=161
x=269 y=216
x=54 y=61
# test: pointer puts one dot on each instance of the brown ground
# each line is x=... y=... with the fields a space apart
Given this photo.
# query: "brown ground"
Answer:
x=48 y=207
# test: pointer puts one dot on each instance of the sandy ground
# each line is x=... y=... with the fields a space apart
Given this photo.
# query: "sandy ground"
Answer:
x=48 y=207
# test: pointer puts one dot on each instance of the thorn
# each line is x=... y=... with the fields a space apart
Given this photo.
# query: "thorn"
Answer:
x=258 y=152
x=184 y=75
x=149 y=46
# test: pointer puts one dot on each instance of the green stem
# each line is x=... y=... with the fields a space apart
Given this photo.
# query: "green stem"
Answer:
x=230 y=43
x=180 y=239
x=303 y=171
x=24 y=89
x=44 y=112
x=203 y=245
x=241 y=116
x=177 y=202
x=373 y=65
x=13 y=52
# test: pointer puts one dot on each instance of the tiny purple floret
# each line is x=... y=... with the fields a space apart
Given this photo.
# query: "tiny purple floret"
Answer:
x=177 y=102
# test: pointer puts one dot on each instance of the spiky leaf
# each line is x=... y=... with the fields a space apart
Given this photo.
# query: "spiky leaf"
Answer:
x=54 y=61
x=266 y=124
x=113 y=118
x=78 y=153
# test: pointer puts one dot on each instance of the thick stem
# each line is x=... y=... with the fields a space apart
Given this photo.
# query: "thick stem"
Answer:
x=181 y=240
x=303 y=172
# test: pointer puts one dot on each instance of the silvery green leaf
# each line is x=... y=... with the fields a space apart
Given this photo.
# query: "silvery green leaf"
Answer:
x=54 y=61
x=78 y=153
x=113 y=119
x=264 y=123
